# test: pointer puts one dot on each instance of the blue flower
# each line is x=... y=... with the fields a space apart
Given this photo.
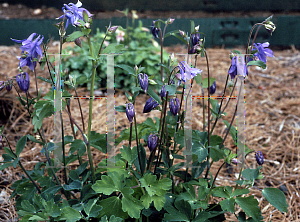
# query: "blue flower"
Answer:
x=187 y=72
x=238 y=67
x=163 y=92
x=150 y=105
x=195 y=38
x=144 y=82
x=259 y=157
x=154 y=30
x=212 y=88
x=31 y=48
x=152 y=142
x=263 y=51
x=73 y=13
x=174 y=106
x=23 y=81
x=130 y=112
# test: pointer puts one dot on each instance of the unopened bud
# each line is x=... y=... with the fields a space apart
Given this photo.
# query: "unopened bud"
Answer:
x=113 y=29
x=197 y=28
x=170 y=21
x=182 y=33
x=78 y=42
x=152 y=82
x=87 y=25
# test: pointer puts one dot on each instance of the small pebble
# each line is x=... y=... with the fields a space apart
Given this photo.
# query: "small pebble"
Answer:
x=37 y=11
x=5 y=5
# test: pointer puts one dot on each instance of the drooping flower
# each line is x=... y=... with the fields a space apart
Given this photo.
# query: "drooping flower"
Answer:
x=8 y=85
x=195 y=38
x=154 y=30
x=31 y=48
x=187 y=72
x=259 y=157
x=238 y=67
x=150 y=105
x=212 y=88
x=174 y=106
x=163 y=92
x=23 y=81
x=73 y=13
x=144 y=82
x=130 y=112
x=263 y=51
x=152 y=142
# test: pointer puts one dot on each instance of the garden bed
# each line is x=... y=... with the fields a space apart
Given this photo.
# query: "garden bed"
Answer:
x=272 y=124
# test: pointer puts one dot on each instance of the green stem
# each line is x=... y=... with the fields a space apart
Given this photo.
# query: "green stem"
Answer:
x=20 y=164
x=88 y=147
x=207 y=198
x=137 y=145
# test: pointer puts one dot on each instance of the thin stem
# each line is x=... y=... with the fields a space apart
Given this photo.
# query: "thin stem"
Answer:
x=137 y=145
x=36 y=86
x=88 y=147
x=82 y=120
x=207 y=198
x=20 y=164
x=208 y=116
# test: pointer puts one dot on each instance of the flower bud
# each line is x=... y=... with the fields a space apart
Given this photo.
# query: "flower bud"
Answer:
x=154 y=30
x=174 y=106
x=23 y=81
x=259 y=157
x=134 y=14
x=8 y=85
x=182 y=33
x=170 y=21
x=163 y=92
x=197 y=28
x=212 y=88
x=130 y=112
x=78 y=42
x=152 y=142
x=195 y=38
x=87 y=25
x=113 y=29
x=270 y=27
x=150 y=105
x=144 y=82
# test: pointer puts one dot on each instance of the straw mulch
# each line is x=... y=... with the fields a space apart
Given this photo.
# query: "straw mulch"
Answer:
x=272 y=121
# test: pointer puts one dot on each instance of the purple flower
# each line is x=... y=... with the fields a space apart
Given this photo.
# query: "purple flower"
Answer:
x=144 y=82
x=263 y=51
x=174 y=106
x=259 y=157
x=154 y=30
x=163 y=92
x=73 y=13
x=23 y=81
x=212 y=88
x=8 y=85
x=152 y=142
x=195 y=38
x=31 y=48
x=130 y=111
x=187 y=72
x=238 y=67
x=150 y=105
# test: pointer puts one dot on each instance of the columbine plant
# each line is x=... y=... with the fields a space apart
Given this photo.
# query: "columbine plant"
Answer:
x=141 y=186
